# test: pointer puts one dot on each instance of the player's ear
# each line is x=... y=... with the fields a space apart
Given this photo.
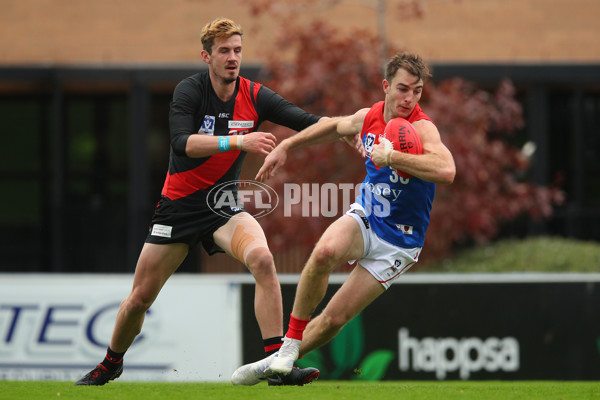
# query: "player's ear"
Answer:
x=386 y=86
x=205 y=56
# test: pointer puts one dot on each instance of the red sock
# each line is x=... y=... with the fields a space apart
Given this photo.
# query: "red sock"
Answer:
x=296 y=327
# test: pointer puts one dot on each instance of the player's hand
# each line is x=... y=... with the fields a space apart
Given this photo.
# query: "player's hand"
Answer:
x=259 y=143
x=380 y=155
x=275 y=160
x=354 y=141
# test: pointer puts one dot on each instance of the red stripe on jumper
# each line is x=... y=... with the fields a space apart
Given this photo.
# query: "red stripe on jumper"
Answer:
x=183 y=184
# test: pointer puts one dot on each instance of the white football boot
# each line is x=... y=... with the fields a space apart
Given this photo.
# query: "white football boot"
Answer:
x=284 y=359
x=251 y=374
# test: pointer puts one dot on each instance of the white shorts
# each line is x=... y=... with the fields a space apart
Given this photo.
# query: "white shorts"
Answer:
x=383 y=260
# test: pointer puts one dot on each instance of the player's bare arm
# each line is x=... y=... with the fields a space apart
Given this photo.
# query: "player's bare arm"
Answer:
x=198 y=146
x=436 y=164
x=349 y=128
x=326 y=130
x=320 y=132
x=352 y=124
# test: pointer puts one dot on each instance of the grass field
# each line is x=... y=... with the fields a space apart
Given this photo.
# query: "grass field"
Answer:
x=321 y=390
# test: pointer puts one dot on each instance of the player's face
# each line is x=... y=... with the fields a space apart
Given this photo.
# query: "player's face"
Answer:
x=225 y=59
x=402 y=94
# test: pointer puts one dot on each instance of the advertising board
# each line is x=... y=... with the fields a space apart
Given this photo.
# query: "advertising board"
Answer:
x=57 y=327
x=497 y=327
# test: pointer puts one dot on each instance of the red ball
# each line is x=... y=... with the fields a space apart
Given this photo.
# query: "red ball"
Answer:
x=404 y=138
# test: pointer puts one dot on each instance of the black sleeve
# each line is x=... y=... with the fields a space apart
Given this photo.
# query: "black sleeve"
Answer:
x=272 y=107
x=181 y=115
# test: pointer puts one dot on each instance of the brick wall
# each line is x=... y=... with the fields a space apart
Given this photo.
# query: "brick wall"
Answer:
x=162 y=32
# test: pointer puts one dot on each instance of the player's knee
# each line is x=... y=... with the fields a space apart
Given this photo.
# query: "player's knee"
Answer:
x=332 y=323
x=324 y=256
x=137 y=303
x=260 y=262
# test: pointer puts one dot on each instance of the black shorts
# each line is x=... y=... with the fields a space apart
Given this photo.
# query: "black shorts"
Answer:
x=172 y=224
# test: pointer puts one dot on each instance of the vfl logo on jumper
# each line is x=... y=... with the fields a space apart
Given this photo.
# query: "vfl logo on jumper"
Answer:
x=240 y=127
x=369 y=143
x=464 y=355
x=256 y=198
x=208 y=125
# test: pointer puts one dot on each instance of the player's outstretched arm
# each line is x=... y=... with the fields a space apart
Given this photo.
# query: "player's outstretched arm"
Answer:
x=326 y=130
x=321 y=132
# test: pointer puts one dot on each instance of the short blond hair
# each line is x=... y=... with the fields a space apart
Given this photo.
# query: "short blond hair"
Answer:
x=220 y=28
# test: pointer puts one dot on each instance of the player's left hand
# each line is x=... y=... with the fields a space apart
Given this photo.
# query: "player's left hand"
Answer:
x=275 y=160
x=381 y=152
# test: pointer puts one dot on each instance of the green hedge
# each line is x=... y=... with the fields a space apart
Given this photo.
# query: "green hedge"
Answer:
x=540 y=254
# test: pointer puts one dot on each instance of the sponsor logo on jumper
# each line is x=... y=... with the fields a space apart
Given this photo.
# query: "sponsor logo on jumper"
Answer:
x=223 y=115
x=383 y=189
x=464 y=355
x=240 y=124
